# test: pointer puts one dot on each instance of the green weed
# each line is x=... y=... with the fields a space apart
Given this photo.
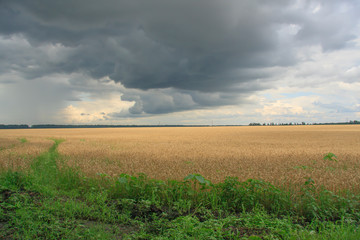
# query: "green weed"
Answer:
x=23 y=140
x=330 y=157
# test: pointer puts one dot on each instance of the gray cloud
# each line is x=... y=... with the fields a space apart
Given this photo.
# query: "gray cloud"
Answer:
x=36 y=101
x=332 y=26
x=338 y=107
x=170 y=55
x=158 y=101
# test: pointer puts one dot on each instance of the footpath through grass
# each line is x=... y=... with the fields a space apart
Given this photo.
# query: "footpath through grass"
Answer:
x=54 y=201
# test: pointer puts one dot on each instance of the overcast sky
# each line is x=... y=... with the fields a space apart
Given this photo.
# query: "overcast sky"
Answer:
x=179 y=61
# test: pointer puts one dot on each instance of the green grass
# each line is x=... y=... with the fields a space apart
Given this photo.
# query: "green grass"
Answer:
x=54 y=201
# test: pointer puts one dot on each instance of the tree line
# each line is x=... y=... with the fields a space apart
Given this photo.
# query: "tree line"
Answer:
x=303 y=123
x=25 y=126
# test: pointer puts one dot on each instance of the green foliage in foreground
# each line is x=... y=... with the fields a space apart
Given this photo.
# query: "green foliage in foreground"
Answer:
x=53 y=201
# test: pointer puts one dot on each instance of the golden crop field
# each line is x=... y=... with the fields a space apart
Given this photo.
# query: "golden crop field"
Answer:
x=279 y=154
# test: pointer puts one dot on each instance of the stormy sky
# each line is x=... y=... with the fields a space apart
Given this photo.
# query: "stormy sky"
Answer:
x=179 y=61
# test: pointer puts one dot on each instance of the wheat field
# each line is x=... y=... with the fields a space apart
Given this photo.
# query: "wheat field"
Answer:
x=282 y=155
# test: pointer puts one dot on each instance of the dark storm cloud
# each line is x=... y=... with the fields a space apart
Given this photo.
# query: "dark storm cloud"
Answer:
x=158 y=101
x=179 y=55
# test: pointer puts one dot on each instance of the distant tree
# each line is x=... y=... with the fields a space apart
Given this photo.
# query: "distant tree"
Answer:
x=13 y=126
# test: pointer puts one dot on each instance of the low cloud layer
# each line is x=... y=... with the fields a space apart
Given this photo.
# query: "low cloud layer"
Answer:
x=169 y=56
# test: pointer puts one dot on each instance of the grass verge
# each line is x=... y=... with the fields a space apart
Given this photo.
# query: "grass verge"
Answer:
x=54 y=201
